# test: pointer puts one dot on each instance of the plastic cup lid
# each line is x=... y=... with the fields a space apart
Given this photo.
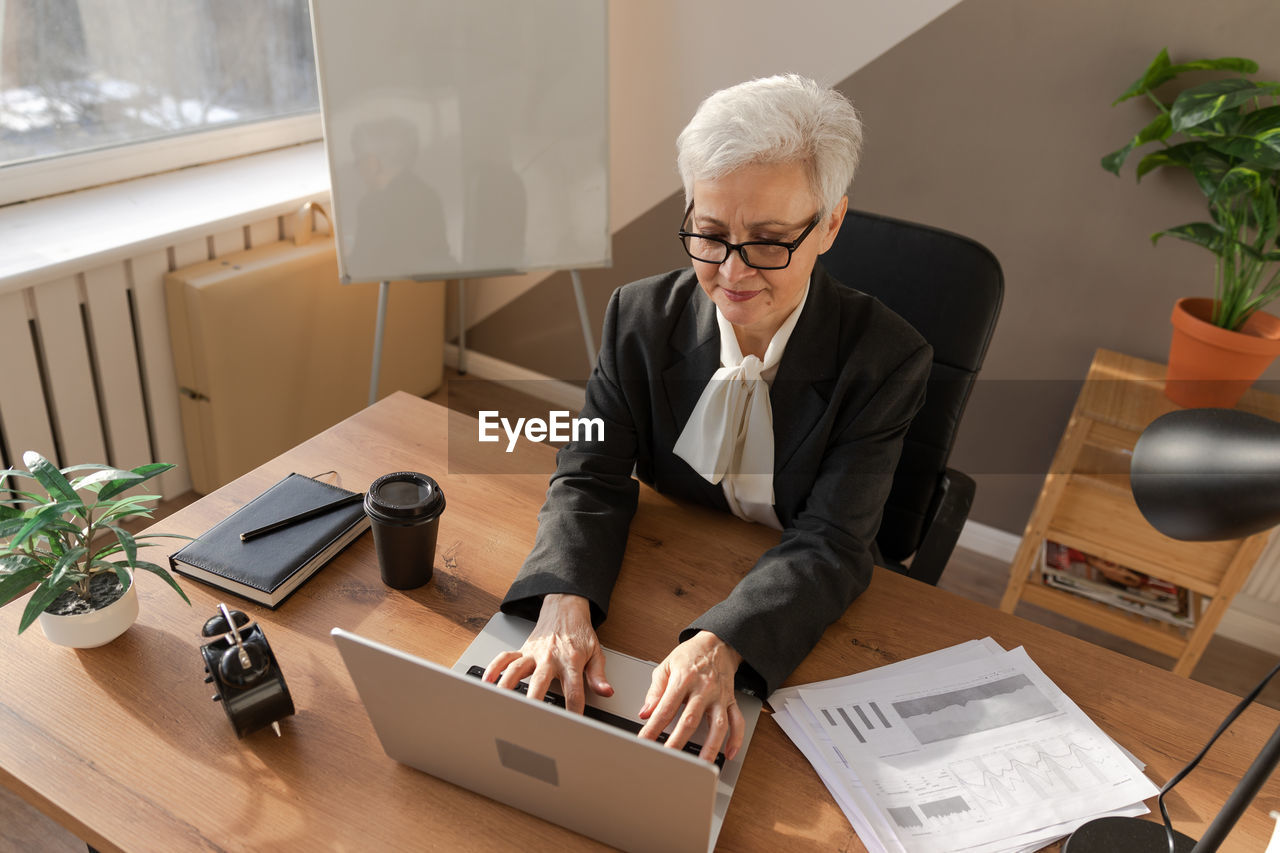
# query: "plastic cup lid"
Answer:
x=405 y=495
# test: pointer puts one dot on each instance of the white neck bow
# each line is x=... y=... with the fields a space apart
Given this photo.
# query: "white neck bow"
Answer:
x=729 y=436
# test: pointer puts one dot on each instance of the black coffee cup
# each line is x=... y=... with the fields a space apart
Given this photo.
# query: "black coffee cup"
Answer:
x=405 y=508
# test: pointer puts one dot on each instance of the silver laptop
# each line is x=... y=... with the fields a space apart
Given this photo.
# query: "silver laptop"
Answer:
x=575 y=771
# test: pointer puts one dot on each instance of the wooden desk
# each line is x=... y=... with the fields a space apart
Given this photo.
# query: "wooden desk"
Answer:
x=123 y=747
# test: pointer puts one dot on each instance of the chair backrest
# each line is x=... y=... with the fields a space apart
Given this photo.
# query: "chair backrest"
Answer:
x=950 y=289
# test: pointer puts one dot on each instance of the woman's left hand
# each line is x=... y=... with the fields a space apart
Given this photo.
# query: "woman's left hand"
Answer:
x=698 y=674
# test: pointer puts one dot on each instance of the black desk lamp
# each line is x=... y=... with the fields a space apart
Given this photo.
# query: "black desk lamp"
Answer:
x=1200 y=474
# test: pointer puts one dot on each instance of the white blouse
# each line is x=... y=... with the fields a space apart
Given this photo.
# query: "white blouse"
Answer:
x=729 y=437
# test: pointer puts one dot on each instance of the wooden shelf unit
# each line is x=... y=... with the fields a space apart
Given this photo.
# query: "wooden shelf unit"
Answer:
x=1086 y=504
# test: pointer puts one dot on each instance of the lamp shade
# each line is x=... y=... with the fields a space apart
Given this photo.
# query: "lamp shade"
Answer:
x=1202 y=474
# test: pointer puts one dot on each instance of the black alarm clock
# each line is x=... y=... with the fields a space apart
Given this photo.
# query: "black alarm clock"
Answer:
x=242 y=668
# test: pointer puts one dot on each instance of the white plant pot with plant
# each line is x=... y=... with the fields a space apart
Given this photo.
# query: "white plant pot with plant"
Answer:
x=86 y=626
x=68 y=542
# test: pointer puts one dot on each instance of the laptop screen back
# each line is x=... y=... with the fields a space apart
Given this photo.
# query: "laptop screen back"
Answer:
x=573 y=771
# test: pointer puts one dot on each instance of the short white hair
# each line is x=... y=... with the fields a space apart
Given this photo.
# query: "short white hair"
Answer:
x=781 y=119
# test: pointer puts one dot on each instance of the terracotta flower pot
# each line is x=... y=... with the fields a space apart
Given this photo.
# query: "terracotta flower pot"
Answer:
x=1211 y=366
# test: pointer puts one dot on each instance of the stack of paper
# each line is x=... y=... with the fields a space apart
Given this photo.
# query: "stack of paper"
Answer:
x=968 y=748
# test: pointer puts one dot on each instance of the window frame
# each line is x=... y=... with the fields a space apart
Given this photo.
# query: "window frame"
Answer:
x=66 y=173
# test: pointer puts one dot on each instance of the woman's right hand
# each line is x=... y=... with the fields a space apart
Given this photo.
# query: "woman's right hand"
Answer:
x=562 y=645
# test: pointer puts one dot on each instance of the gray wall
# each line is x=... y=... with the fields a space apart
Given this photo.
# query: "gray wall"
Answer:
x=990 y=122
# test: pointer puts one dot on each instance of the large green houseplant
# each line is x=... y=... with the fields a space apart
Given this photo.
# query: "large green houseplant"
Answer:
x=1226 y=134
x=69 y=543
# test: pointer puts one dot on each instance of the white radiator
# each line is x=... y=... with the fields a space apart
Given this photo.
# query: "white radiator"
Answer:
x=88 y=371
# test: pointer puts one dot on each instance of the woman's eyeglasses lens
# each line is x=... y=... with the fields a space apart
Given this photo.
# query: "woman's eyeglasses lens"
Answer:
x=759 y=255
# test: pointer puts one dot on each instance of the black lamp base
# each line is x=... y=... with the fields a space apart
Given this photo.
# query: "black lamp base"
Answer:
x=1128 y=834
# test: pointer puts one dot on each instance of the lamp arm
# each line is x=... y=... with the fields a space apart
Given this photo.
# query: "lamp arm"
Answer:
x=1253 y=779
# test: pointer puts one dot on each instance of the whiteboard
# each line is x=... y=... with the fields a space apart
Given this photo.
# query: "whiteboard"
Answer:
x=464 y=138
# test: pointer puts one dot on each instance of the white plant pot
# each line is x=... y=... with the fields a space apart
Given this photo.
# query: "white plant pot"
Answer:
x=96 y=628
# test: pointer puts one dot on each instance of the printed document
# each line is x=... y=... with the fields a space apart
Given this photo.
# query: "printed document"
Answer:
x=971 y=748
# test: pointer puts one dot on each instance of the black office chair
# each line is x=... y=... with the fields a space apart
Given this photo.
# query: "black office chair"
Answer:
x=950 y=289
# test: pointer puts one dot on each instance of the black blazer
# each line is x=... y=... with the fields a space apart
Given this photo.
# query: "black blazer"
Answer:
x=850 y=380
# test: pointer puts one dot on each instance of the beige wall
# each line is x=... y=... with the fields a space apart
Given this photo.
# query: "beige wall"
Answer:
x=990 y=121
x=665 y=56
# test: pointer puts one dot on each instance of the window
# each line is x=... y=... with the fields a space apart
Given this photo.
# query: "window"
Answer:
x=93 y=91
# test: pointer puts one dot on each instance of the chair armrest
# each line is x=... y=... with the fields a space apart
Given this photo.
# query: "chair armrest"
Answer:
x=955 y=497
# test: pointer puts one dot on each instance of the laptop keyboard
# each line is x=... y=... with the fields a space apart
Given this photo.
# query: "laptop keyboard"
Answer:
x=553 y=698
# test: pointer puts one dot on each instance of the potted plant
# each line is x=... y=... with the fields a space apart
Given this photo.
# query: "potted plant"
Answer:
x=1226 y=133
x=61 y=541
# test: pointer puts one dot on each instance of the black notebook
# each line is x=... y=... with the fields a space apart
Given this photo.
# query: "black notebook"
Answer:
x=267 y=568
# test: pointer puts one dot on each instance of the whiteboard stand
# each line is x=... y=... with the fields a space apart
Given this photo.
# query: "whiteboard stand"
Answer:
x=583 y=319
x=379 y=326
x=462 y=327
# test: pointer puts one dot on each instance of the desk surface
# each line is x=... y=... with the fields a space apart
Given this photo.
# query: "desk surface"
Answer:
x=123 y=747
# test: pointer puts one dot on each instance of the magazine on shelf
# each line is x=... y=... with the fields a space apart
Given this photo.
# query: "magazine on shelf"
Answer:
x=1102 y=580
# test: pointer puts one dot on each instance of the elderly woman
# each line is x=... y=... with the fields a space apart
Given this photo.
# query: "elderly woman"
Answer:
x=752 y=382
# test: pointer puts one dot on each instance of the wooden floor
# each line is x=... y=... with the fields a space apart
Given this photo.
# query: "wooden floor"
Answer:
x=1227 y=665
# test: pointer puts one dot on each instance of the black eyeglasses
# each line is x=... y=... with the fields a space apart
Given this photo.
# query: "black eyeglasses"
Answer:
x=759 y=254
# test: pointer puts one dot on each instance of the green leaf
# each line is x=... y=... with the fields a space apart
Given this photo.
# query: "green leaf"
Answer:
x=1265 y=216
x=127 y=542
x=125 y=513
x=51 y=478
x=67 y=562
x=1260 y=121
x=103 y=475
x=1157 y=72
x=17 y=497
x=1183 y=155
x=1157 y=129
x=1201 y=103
x=1161 y=71
x=144 y=472
x=137 y=505
x=7 y=512
x=13 y=562
x=1209 y=167
x=43 y=518
x=59 y=525
x=44 y=595
x=58 y=508
x=10 y=526
x=15 y=472
x=1210 y=236
x=1113 y=161
x=163 y=573
x=1204 y=234
x=15 y=583
x=109 y=550
x=1226 y=63
x=1240 y=181
x=1250 y=149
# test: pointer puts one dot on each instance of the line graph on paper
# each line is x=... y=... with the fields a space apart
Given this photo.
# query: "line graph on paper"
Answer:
x=1036 y=772
x=969 y=710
